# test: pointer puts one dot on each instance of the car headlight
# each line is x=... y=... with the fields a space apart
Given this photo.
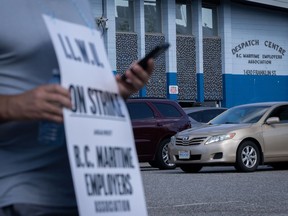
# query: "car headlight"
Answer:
x=173 y=140
x=218 y=138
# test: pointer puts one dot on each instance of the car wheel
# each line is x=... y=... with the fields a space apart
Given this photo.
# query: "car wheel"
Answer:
x=162 y=156
x=191 y=168
x=248 y=157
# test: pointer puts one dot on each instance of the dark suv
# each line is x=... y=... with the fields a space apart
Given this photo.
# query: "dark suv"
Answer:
x=154 y=121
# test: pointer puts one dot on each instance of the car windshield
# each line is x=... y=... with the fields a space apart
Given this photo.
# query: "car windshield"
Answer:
x=241 y=115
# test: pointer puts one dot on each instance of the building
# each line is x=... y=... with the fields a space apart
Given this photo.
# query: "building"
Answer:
x=228 y=52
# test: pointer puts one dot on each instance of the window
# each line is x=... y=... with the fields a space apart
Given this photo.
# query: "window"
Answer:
x=196 y=116
x=167 y=110
x=140 y=111
x=152 y=10
x=183 y=17
x=282 y=113
x=209 y=21
x=241 y=115
x=124 y=12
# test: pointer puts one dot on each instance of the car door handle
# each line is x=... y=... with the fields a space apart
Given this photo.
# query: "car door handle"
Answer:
x=159 y=124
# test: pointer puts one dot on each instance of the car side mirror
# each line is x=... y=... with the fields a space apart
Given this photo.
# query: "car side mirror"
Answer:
x=272 y=120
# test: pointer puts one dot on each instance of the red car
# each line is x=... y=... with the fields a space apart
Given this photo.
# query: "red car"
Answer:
x=154 y=121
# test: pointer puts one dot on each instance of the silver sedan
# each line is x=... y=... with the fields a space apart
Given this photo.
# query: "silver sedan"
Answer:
x=244 y=136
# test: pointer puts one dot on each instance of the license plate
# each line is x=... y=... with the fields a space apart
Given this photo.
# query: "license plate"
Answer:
x=184 y=154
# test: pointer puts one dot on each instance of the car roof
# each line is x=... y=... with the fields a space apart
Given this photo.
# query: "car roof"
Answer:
x=270 y=103
x=149 y=99
x=189 y=109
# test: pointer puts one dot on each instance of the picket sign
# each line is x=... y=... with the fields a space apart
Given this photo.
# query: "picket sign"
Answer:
x=100 y=142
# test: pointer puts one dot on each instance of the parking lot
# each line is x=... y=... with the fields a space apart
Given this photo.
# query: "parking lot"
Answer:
x=215 y=191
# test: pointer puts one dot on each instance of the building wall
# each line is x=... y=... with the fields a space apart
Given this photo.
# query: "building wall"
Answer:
x=126 y=51
x=212 y=64
x=156 y=87
x=186 y=68
x=230 y=68
x=256 y=75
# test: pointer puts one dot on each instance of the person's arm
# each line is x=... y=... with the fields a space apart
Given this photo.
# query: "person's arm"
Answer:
x=43 y=102
x=137 y=78
x=47 y=101
x=4 y=107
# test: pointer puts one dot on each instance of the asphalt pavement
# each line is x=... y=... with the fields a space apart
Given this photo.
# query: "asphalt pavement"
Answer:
x=215 y=191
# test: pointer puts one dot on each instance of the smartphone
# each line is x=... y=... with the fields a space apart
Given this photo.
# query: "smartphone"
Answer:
x=154 y=53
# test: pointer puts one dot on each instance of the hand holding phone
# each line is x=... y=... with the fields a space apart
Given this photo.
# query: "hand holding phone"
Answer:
x=154 y=53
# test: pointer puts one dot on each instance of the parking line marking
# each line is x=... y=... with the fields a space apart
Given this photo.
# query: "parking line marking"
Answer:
x=195 y=204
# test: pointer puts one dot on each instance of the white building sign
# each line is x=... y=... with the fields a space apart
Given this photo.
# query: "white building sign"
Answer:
x=260 y=57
